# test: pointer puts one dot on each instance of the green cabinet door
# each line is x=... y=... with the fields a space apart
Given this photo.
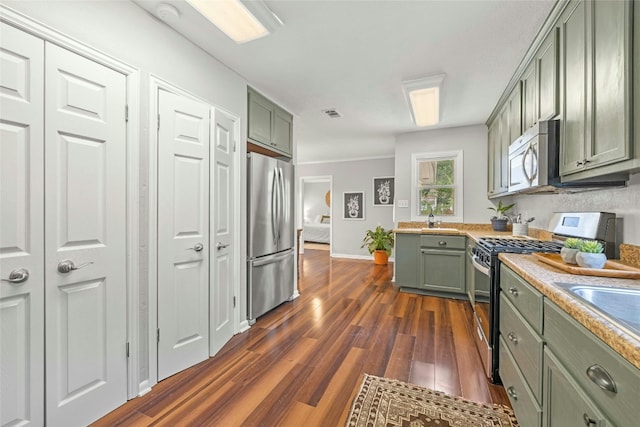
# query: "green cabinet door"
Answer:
x=406 y=264
x=565 y=403
x=529 y=96
x=493 y=141
x=547 y=82
x=596 y=80
x=442 y=270
x=573 y=24
x=611 y=82
x=282 y=130
x=260 y=118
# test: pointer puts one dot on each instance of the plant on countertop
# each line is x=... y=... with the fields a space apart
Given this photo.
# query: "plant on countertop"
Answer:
x=499 y=222
x=573 y=243
x=501 y=210
x=591 y=246
x=591 y=254
x=570 y=250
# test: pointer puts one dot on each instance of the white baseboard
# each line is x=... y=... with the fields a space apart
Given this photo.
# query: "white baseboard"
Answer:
x=244 y=326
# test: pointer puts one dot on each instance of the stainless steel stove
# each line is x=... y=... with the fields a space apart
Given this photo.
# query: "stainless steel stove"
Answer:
x=486 y=304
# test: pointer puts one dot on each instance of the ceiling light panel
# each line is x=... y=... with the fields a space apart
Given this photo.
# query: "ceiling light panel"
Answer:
x=236 y=20
x=423 y=97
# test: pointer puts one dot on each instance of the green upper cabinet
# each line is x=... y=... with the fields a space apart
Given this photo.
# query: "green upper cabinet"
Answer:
x=268 y=124
x=547 y=82
x=503 y=131
x=540 y=83
x=595 y=60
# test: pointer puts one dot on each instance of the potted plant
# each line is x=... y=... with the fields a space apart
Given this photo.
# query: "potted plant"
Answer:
x=591 y=254
x=570 y=250
x=499 y=222
x=379 y=243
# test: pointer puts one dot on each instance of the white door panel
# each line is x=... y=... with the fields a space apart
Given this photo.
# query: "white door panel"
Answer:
x=85 y=223
x=222 y=298
x=183 y=231
x=21 y=228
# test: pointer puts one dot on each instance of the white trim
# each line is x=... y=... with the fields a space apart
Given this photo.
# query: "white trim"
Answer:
x=355 y=159
x=133 y=248
x=244 y=326
x=459 y=198
x=351 y=256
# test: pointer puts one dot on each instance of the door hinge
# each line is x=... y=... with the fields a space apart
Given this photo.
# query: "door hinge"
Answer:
x=234 y=302
x=126 y=113
x=234 y=147
x=158 y=335
x=158 y=121
x=127 y=349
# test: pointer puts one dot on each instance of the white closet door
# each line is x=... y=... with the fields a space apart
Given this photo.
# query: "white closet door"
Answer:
x=85 y=226
x=222 y=236
x=183 y=231
x=21 y=228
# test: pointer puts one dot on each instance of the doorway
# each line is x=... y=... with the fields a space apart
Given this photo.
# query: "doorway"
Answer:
x=316 y=213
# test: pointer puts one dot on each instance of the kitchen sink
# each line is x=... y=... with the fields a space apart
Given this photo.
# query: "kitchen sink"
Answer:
x=621 y=305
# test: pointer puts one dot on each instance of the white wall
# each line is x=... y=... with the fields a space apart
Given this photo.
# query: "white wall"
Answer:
x=624 y=202
x=314 y=202
x=126 y=32
x=355 y=175
x=472 y=140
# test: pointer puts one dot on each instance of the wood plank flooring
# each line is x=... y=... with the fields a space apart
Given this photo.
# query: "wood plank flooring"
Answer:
x=302 y=363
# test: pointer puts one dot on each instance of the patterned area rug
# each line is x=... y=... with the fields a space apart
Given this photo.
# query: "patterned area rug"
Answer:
x=382 y=402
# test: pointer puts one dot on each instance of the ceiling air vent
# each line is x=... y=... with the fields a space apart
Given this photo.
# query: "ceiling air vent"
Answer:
x=331 y=112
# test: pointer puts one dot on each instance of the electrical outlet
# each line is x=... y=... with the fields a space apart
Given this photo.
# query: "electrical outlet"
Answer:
x=403 y=203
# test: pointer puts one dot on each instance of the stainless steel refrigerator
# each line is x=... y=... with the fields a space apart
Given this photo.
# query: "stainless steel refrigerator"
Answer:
x=271 y=252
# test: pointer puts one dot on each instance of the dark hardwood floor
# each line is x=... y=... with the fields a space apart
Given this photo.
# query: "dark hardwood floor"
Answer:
x=302 y=363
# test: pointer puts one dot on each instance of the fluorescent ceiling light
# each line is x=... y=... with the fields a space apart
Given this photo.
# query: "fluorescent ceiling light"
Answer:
x=423 y=97
x=242 y=21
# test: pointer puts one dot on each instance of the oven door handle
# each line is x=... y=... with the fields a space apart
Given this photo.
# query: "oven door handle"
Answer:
x=481 y=268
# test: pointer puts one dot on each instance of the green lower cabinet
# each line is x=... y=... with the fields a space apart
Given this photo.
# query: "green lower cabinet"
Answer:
x=565 y=403
x=407 y=250
x=443 y=270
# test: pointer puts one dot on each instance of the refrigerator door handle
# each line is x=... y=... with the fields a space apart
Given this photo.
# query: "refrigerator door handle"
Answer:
x=274 y=207
x=281 y=203
x=271 y=259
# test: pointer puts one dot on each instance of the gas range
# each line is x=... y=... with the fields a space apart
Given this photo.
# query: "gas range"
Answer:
x=488 y=248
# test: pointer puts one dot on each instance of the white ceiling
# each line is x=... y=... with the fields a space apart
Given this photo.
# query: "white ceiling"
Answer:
x=353 y=56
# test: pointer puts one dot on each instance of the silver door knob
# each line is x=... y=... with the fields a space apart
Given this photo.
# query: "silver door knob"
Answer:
x=198 y=247
x=68 y=266
x=18 y=275
x=221 y=245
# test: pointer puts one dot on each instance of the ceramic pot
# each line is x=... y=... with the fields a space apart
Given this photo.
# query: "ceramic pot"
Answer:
x=499 y=224
x=384 y=200
x=568 y=255
x=353 y=213
x=380 y=257
x=589 y=260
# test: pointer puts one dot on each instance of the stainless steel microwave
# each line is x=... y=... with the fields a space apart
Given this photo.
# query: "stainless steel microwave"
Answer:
x=534 y=161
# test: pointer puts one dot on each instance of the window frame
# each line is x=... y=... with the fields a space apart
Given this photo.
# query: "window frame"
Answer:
x=458 y=158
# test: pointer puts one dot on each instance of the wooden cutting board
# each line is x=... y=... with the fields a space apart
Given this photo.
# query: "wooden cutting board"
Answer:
x=611 y=268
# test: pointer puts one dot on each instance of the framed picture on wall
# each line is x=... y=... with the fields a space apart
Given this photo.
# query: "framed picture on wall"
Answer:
x=353 y=205
x=383 y=191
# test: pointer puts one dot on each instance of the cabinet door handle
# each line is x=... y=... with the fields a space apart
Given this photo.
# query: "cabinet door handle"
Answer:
x=442 y=243
x=512 y=337
x=601 y=378
x=513 y=291
x=512 y=393
x=588 y=421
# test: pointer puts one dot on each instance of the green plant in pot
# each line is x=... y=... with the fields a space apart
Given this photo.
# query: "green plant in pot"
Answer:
x=499 y=222
x=570 y=250
x=591 y=254
x=379 y=242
